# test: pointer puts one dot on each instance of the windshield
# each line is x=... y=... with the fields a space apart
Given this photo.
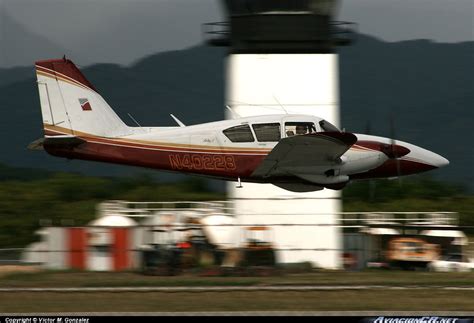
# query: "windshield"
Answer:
x=327 y=126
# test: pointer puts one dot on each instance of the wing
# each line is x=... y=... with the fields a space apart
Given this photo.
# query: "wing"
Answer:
x=56 y=141
x=306 y=155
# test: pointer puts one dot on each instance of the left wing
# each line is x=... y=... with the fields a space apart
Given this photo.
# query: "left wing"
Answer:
x=306 y=156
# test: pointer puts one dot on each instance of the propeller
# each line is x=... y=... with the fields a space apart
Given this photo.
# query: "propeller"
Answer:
x=368 y=128
x=392 y=151
x=396 y=151
x=372 y=183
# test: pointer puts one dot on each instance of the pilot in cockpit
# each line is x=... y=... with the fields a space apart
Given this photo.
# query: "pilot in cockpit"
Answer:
x=301 y=130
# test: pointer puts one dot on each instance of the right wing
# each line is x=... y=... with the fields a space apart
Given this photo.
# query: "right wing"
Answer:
x=306 y=155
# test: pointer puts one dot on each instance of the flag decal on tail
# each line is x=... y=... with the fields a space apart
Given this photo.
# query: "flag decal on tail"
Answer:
x=85 y=105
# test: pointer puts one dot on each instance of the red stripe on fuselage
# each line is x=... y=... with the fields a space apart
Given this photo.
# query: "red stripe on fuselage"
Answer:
x=229 y=165
x=137 y=143
x=222 y=163
x=185 y=149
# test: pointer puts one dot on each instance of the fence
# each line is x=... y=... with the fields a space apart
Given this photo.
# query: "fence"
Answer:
x=357 y=238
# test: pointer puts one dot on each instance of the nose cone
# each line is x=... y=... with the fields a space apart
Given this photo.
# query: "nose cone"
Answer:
x=428 y=158
x=438 y=160
x=419 y=160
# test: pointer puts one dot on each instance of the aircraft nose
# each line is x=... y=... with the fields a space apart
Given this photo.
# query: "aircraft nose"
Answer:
x=438 y=160
x=433 y=159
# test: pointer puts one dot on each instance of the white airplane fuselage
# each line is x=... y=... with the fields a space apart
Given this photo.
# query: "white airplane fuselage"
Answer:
x=295 y=152
x=205 y=150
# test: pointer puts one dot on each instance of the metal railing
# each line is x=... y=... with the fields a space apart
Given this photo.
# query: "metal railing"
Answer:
x=350 y=227
x=144 y=209
x=218 y=33
x=200 y=209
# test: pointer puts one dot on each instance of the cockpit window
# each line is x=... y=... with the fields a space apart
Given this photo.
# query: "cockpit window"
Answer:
x=327 y=126
x=267 y=131
x=299 y=128
x=239 y=134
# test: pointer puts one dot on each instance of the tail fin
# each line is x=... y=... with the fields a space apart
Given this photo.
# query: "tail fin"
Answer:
x=70 y=104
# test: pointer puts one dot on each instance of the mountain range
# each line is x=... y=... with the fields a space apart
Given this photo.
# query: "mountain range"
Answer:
x=20 y=45
x=425 y=88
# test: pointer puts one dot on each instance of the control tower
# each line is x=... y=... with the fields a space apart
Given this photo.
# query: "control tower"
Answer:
x=282 y=60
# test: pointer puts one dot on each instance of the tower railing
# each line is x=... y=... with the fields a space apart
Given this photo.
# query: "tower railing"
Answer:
x=218 y=33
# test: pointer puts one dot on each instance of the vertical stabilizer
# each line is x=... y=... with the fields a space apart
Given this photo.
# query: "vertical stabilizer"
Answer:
x=70 y=104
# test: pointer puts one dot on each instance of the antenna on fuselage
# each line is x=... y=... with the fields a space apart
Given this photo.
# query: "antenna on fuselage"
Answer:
x=134 y=120
x=234 y=114
x=281 y=105
x=177 y=121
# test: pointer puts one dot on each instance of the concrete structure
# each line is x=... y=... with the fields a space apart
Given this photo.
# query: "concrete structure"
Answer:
x=282 y=60
x=106 y=244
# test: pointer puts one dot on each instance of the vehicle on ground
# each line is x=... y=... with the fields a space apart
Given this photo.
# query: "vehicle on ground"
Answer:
x=411 y=253
x=453 y=262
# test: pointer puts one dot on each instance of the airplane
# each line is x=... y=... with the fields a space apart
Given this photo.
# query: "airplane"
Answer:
x=299 y=153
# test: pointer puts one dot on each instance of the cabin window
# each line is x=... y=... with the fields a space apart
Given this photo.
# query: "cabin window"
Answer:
x=267 y=131
x=239 y=134
x=299 y=128
x=326 y=126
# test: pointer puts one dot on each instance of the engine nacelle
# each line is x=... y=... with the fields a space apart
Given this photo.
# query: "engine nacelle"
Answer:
x=324 y=179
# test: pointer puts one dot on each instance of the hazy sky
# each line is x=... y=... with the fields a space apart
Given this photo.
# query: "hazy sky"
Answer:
x=122 y=31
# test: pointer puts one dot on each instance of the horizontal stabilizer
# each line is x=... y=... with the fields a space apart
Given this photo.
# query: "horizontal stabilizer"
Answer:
x=65 y=141
x=36 y=145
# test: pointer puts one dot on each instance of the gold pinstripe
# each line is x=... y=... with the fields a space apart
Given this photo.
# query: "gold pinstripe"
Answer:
x=62 y=79
x=153 y=143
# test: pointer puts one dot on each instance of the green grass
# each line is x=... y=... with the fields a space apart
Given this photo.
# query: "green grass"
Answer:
x=429 y=298
x=130 y=279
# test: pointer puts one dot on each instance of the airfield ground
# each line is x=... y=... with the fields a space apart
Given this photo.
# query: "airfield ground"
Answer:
x=365 y=300
x=396 y=291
